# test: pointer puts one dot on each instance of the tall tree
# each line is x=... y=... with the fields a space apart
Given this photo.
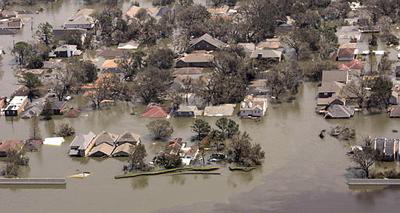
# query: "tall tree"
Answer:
x=243 y=153
x=45 y=33
x=227 y=127
x=151 y=84
x=137 y=158
x=160 y=129
x=201 y=128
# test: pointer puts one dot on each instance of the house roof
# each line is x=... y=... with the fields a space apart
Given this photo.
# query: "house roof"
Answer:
x=185 y=108
x=272 y=43
x=110 y=63
x=82 y=141
x=197 y=57
x=209 y=39
x=339 y=111
x=66 y=47
x=124 y=149
x=330 y=86
x=131 y=45
x=58 y=105
x=335 y=75
x=352 y=65
x=218 y=10
x=104 y=137
x=266 y=53
x=248 y=47
x=103 y=148
x=128 y=137
x=155 y=111
x=10 y=144
x=220 y=110
x=395 y=112
x=346 y=52
x=251 y=103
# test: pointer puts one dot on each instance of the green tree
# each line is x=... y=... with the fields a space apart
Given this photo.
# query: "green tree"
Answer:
x=201 y=128
x=65 y=130
x=45 y=34
x=379 y=93
x=137 y=159
x=284 y=78
x=227 y=127
x=30 y=80
x=161 y=58
x=168 y=161
x=193 y=20
x=364 y=159
x=151 y=84
x=23 y=51
x=131 y=64
x=15 y=158
x=160 y=129
x=243 y=153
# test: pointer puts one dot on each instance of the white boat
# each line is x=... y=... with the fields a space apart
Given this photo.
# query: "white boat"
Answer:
x=80 y=175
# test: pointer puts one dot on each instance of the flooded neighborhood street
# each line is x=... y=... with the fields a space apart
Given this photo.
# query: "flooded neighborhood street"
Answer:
x=301 y=172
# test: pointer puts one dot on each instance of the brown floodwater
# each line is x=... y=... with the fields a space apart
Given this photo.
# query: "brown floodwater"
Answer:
x=301 y=173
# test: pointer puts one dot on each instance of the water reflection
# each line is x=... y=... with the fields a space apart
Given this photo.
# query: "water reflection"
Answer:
x=178 y=180
x=140 y=182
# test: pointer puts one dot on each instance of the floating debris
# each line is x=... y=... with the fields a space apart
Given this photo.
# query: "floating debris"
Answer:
x=343 y=133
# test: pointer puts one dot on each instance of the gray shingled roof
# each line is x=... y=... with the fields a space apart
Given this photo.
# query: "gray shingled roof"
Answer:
x=339 y=111
x=209 y=39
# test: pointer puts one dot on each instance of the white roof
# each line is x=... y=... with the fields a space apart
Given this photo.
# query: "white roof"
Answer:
x=55 y=141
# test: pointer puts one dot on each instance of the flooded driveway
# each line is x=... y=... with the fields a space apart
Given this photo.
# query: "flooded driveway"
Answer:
x=301 y=173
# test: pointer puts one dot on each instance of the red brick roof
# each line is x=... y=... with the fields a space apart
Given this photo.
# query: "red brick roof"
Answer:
x=155 y=111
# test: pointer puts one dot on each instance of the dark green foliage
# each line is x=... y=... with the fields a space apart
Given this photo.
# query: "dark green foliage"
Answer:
x=161 y=58
x=15 y=158
x=201 y=128
x=227 y=127
x=243 y=153
x=160 y=129
x=137 y=159
x=151 y=84
x=168 y=161
x=65 y=130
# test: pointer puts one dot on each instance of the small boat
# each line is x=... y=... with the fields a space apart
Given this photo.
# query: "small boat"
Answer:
x=80 y=175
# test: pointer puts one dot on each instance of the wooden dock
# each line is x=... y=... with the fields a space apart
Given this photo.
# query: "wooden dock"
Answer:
x=33 y=181
x=373 y=182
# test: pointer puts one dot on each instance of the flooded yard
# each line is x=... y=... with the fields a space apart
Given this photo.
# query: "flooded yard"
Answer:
x=301 y=173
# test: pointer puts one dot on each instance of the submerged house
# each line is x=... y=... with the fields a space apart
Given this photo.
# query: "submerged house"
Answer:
x=206 y=42
x=339 y=111
x=105 y=137
x=102 y=150
x=128 y=138
x=155 y=111
x=187 y=111
x=16 y=106
x=331 y=87
x=220 y=110
x=8 y=145
x=82 y=19
x=123 y=150
x=253 y=106
x=388 y=149
x=82 y=144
